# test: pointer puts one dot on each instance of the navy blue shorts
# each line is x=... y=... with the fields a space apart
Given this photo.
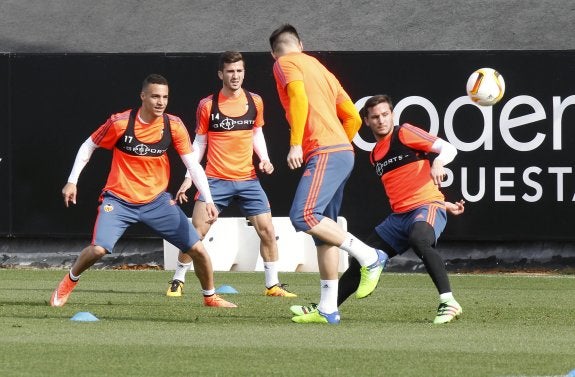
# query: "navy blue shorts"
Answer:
x=162 y=214
x=250 y=195
x=319 y=193
x=396 y=227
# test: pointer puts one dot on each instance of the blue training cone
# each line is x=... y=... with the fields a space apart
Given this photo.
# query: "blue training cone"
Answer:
x=226 y=289
x=84 y=317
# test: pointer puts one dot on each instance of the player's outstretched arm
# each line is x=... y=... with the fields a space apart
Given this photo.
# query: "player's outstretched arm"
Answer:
x=181 y=195
x=446 y=153
x=261 y=150
x=297 y=117
x=212 y=213
x=456 y=208
x=198 y=149
x=199 y=179
x=350 y=118
x=70 y=190
x=69 y=193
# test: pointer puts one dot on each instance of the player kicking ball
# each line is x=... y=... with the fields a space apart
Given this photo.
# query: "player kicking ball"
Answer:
x=323 y=120
x=419 y=210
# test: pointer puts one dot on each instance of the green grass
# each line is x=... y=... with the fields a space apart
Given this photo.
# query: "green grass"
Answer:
x=511 y=326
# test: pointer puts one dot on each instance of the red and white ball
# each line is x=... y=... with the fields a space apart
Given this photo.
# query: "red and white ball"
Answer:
x=485 y=87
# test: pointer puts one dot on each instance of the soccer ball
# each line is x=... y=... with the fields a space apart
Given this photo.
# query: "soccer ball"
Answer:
x=485 y=86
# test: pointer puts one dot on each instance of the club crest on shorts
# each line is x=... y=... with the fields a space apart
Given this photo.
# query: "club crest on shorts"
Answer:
x=108 y=208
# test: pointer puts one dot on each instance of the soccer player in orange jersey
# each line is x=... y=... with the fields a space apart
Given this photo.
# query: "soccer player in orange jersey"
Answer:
x=136 y=187
x=401 y=158
x=229 y=125
x=323 y=120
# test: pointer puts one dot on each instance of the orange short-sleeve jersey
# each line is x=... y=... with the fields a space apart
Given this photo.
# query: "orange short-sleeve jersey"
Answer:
x=229 y=153
x=410 y=185
x=323 y=130
x=139 y=179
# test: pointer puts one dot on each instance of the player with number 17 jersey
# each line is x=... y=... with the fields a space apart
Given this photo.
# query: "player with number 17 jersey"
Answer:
x=140 y=177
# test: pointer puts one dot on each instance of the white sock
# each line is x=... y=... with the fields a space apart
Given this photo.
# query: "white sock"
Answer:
x=208 y=292
x=328 y=300
x=447 y=296
x=181 y=269
x=271 y=272
x=73 y=277
x=364 y=254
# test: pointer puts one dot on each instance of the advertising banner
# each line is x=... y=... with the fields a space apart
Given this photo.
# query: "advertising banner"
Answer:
x=5 y=208
x=514 y=166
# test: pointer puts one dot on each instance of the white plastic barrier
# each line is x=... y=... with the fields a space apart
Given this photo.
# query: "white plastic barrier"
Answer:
x=233 y=245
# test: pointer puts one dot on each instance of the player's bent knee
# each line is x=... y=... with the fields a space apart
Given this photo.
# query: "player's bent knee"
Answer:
x=184 y=257
x=202 y=230
x=298 y=221
x=98 y=251
x=196 y=250
x=299 y=224
x=421 y=233
x=267 y=233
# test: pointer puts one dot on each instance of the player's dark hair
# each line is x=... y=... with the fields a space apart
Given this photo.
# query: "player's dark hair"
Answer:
x=276 y=36
x=374 y=101
x=154 y=78
x=229 y=57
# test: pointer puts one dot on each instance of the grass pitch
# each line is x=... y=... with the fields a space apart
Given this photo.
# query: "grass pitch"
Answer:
x=512 y=325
